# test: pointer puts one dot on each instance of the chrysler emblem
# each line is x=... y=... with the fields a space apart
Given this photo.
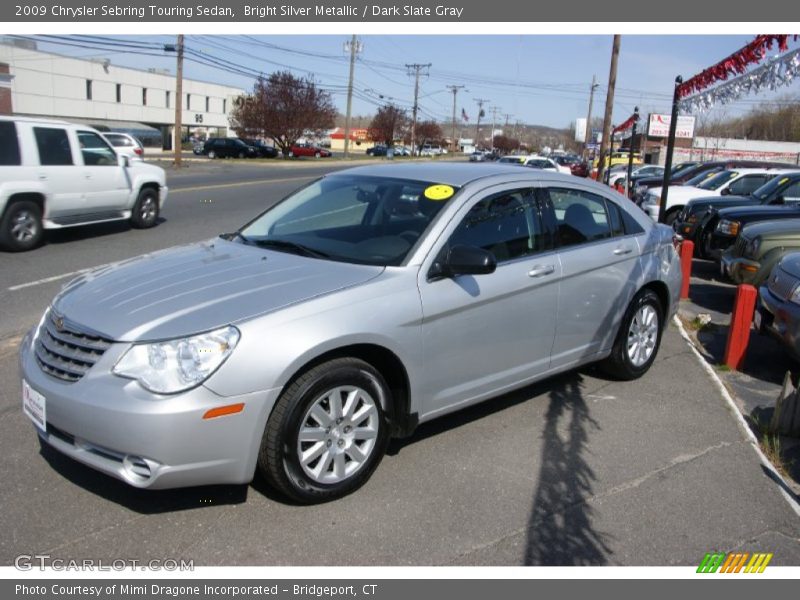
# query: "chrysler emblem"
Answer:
x=59 y=323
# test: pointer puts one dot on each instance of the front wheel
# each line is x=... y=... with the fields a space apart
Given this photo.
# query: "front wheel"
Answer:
x=638 y=339
x=212 y=154
x=327 y=432
x=21 y=226
x=317 y=154
x=146 y=209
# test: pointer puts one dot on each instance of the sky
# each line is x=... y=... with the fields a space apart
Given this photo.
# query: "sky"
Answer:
x=534 y=79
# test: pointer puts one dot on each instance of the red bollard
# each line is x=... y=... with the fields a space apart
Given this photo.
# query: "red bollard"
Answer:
x=687 y=251
x=739 y=332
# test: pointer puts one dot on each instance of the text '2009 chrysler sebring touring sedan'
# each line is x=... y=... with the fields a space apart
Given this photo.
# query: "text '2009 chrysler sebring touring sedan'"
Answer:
x=364 y=303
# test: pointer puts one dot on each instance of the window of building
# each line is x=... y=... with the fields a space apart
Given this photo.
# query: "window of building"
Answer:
x=188 y=102
x=208 y=103
x=88 y=89
x=119 y=92
x=144 y=96
x=167 y=99
x=224 y=106
x=53 y=146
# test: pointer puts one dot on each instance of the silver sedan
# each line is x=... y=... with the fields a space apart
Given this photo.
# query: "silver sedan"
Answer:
x=363 y=304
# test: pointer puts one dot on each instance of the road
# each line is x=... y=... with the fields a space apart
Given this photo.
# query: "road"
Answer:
x=578 y=470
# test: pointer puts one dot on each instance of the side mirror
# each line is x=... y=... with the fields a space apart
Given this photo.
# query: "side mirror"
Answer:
x=464 y=260
x=123 y=160
x=726 y=192
x=779 y=200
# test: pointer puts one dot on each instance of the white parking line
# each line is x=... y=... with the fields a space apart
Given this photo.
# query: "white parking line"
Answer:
x=21 y=286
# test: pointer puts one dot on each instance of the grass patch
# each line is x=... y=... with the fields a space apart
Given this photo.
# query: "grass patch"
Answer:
x=724 y=368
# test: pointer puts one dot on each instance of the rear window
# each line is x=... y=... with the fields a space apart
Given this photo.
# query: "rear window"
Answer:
x=53 y=146
x=118 y=140
x=9 y=144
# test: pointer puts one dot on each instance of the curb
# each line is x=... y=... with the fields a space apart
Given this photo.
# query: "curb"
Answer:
x=783 y=486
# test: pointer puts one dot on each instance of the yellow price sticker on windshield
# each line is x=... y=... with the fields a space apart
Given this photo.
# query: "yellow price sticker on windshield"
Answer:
x=782 y=181
x=439 y=192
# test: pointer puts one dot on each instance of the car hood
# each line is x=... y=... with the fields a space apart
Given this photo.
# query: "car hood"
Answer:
x=774 y=230
x=760 y=212
x=701 y=204
x=196 y=288
x=141 y=167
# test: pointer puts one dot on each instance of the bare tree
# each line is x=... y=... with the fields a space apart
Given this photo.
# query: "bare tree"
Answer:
x=283 y=107
x=388 y=124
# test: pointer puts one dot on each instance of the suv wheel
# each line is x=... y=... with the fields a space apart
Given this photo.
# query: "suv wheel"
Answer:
x=146 y=209
x=327 y=432
x=21 y=226
x=638 y=338
x=212 y=154
x=242 y=155
x=317 y=154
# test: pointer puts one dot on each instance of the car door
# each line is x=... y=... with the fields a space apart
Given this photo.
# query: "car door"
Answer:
x=600 y=271
x=487 y=333
x=57 y=169
x=106 y=182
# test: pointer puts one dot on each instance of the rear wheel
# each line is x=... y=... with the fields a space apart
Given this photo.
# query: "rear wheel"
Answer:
x=242 y=155
x=327 y=432
x=21 y=226
x=638 y=339
x=317 y=154
x=146 y=209
x=212 y=154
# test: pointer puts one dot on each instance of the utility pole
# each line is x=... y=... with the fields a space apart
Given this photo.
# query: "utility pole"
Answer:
x=494 y=120
x=416 y=68
x=588 y=136
x=612 y=82
x=355 y=48
x=480 y=102
x=454 y=89
x=179 y=103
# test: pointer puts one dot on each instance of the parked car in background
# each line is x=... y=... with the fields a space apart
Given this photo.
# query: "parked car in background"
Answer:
x=377 y=151
x=697 y=219
x=125 y=144
x=263 y=150
x=286 y=345
x=580 y=169
x=544 y=163
x=739 y=181
x=759 y=247
x=731 y=222
x=197 y=147
x=55 y=174
x=432 y=150
x=477 y=156
x=637 y=172
x=298 y=150
x=778 y=310
x=228 y=148
x=402 y=151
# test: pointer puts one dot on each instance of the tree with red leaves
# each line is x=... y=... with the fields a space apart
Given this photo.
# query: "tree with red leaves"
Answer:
x=388 y=124
x=285 y=108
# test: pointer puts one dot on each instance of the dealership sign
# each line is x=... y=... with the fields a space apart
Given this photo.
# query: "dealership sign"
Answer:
x=659 y=126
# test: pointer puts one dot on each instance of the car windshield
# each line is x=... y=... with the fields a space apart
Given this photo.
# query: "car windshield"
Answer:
x=766 y=191
x=718 y=180
x=539 y=164
x=698 y=179
x=351 y=218
x=682 y=169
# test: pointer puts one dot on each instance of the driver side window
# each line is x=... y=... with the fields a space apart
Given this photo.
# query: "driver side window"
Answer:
x=506 y=224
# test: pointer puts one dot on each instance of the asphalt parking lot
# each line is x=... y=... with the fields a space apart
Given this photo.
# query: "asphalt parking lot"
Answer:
x=578 y=470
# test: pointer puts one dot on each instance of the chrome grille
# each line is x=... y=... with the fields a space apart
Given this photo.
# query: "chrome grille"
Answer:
x=64 y=351
x=740 y=245
x=781 y=284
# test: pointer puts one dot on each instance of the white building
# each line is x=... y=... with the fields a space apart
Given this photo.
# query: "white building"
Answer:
x=113 y=98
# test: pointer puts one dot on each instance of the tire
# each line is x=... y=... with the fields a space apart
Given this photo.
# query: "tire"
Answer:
x=638 y=338
x=317 y=154
x=291 y=154
x=242 y=155
x=357 y=445
x=21 y=226
x=146 y=210
x=212 y=155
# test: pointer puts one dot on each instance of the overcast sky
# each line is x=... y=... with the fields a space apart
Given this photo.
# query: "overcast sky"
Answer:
x=535 y=79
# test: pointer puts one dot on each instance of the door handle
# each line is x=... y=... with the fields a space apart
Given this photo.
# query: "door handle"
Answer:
x=541 y=270
x=43 y=177
x=87 y=175
x=621 y=251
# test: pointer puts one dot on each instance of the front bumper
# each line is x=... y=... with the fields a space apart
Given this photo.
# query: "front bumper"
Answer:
x=163 y=192
x=739 y=269
x=780 y=319
x=686 y=230
x=117 y=427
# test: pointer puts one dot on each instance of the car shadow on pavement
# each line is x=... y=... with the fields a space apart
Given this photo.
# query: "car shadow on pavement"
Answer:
x=139 y=500
x=87 y=232
x=560 y=530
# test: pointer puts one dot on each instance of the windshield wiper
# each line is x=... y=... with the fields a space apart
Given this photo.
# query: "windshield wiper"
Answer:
x=287 y=246
x=233 y=235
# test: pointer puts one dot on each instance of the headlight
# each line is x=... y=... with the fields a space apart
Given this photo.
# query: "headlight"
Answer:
x=176 y=365
x=728 y=227
x=795 y=297
x=641 y=189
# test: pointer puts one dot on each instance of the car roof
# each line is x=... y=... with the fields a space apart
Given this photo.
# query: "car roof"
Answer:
x=455 y=174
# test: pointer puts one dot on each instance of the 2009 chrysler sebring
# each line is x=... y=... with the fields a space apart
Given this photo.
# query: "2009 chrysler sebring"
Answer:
x=366 y=302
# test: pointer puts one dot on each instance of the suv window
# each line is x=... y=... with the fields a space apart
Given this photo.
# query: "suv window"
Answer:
x=748 y=184
x=9 y=144
x=581 y=217
x=53 y=146
x=792 y=193
x=118 y=140
x=95 y=151
x=506 y=224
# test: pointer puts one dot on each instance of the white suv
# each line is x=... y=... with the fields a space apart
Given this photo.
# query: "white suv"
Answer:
x=55 y=174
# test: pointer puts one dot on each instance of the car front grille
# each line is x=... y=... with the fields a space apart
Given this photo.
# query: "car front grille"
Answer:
x=740 y=245
x=781 y=284
x=64 y=351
